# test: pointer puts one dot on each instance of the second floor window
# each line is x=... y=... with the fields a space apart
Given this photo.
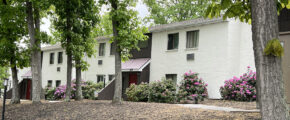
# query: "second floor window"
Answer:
x=59 y=59
x=102 y=49
x=51 y=60
x=173 y=40
x=192 y=39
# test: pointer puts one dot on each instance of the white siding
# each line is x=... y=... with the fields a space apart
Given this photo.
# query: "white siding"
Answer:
x=216 y=58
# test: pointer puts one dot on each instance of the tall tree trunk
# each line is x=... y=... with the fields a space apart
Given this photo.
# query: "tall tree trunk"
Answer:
x=35 y=55
x=15 y=90
x=79 y=95
x=69 y=53
x=269 y=70
x=117 y=99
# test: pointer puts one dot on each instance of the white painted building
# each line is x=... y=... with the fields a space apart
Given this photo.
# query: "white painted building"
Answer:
x=217 y=49
x=220 y=48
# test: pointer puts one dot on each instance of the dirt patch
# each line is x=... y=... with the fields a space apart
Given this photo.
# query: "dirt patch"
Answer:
x=103 y=110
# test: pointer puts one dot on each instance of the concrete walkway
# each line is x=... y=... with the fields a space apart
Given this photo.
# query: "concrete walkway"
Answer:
x=208 y=107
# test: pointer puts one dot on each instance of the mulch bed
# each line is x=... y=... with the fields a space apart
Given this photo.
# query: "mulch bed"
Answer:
x=103 y=110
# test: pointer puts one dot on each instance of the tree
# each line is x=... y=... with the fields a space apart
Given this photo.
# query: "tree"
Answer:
x=168 y=11
x=75 y=19
x=267 y=49
x=104 y=28
x=35 y=9
x=12 y=30
x=126 y=34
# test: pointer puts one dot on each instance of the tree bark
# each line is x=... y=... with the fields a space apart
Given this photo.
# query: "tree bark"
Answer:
x=269 y=70
x=79 y=95
x=69 y=53
x=15 y=90
x=117 y=99
x=35 y=54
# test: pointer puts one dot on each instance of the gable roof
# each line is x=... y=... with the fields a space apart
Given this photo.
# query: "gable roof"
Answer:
x=185 y=24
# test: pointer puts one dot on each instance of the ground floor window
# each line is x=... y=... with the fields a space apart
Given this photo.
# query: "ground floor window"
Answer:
x=57 y=83
x=172 y=77
x=111 y=77
x=100 y=78
x=49 y=83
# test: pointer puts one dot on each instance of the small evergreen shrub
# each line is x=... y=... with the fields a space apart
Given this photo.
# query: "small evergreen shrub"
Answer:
x=163 y=91
x=49 y=93
x=138 y=93
x=192 y=88
x=240 y=89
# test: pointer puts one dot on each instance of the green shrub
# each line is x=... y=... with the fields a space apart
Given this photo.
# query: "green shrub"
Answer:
x=162 y=91
x=49 y=93
x=89 y=88
x=138 y=93
x=192 y=88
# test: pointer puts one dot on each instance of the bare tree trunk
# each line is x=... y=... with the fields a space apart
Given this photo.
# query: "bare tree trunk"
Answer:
x=68 y=76
x=269 y=70
x=117 y=99
x=15 y=90
x=79 y=95
x=35 y=55
x=69 y=54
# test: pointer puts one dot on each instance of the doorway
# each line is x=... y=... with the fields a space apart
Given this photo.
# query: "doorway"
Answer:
x=28 y=89
x=133 y=78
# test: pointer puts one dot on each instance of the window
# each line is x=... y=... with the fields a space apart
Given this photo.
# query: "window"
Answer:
x=172 y=77
x=57 y=83
x=59 y=58
x=173 y=41
x=49 y=83
x=111 y=77
x=143 y=44
x=51 y=60
x=102 y=49
x=100 y=78
x=58 y=69
x=112 y=49
x=192 y=39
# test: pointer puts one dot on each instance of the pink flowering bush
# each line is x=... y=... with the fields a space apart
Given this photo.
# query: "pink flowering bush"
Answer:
x=240 y=88
x=192 y=88
x=162 y=91
x=88 y=89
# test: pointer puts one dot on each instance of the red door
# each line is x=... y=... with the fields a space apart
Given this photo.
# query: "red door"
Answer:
x=28 y=89
x=133 y=79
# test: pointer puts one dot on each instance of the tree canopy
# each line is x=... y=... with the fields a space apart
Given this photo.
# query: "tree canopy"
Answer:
x=168 y=11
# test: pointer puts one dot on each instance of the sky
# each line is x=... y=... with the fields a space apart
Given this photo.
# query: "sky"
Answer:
x=140 y=7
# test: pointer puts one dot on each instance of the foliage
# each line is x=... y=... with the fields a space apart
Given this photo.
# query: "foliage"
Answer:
x=192 y=88
x=138 y=93
x=88 y=90
x=129 y=28
x=162 y=91
x=239 y=9
x=240 y=89
x=3 y=74
x=49 y=93
x=168 y=11
x=274 y=48
x=104 y=27
x=13 y=28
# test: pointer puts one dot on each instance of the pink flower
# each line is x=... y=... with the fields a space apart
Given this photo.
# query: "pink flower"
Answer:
x=196 y=83
x=194 y=95
x=249 y=67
